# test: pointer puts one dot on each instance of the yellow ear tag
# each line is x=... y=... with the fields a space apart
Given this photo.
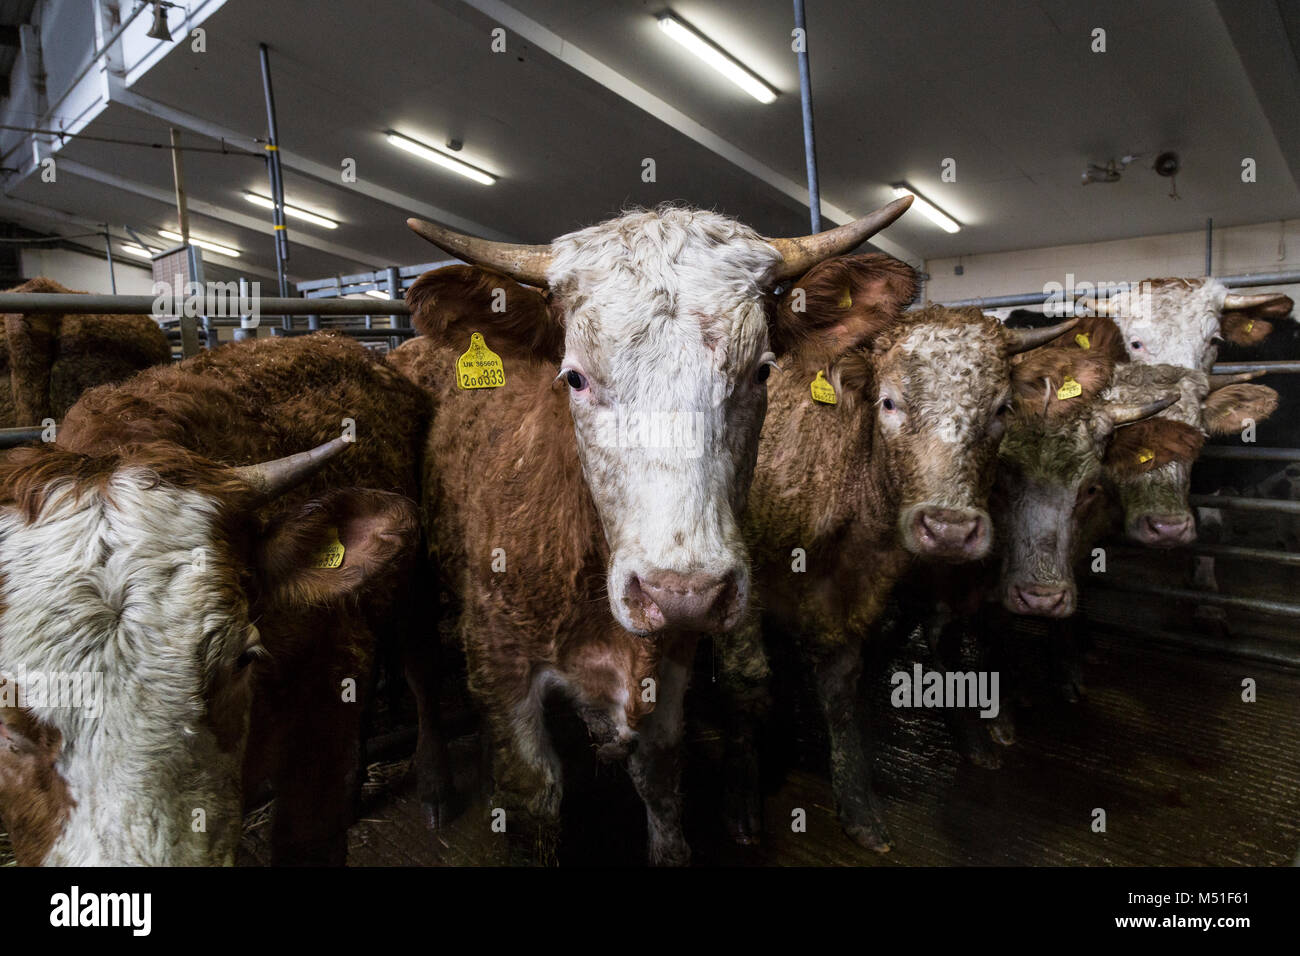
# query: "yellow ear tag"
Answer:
x=822 y=390
x=480 y=367
x=1069 y=389
x=1145 y=455
x=1083 y=340
x=846 y=298
x=1250 y=326
x=331 y=555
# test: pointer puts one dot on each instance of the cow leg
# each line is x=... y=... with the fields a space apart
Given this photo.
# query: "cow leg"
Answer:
x=420 y=662
x=655 y=762
x=744 y=676
x=836 y=673
x=943 y=634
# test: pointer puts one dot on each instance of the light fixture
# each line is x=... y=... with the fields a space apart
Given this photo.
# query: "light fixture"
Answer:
x=159 y=30
x=266 y=202
x=376 y=294
x=440 y=158
x=926 y=208
x=716 y=57
x=133 y=250
x=207 y=244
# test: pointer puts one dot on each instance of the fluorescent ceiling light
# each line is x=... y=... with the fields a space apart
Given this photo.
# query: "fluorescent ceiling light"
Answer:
x=716 y=57
x=440 y=158
x=926 y=208
x=376 y=294
x=134 y=250
x=207 y=244
x=267 y=203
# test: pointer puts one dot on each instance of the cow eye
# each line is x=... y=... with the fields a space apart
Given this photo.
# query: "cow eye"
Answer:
x=577 y=381
x=887 y=404
x=1004 y=408
x=1136 y=345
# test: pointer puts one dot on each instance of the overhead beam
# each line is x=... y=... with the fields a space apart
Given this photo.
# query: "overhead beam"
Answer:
x=211 y=210
x=322 y=172
x=564 y=51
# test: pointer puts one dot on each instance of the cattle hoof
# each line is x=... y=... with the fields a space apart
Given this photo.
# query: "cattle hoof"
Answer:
x=438 y=814
x=744 y=833
x=872 y=837
x=1003 y=732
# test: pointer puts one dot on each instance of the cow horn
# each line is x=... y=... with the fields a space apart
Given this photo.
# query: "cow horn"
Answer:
x=1123 y=414
x=527 y=264
x=1022 y=340
x=1236 y=300
x=801 y=254
x=1107 y=306
x=1221 y=381
x=271 y=478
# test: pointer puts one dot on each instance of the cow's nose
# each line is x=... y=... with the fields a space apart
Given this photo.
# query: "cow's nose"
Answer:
x=1042 y=600
x=1167 y=530
x=957 y=533
x=699 y=601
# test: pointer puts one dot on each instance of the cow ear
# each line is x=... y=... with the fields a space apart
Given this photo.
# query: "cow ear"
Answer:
x=336 y=547
x=451 y=303
x=1150 y=443
x=1227 y=409
x=1244 y=328
x=841 y=302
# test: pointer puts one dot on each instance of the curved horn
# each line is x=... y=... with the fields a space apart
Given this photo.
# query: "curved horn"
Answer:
x=801 y=254
x=1236 y=300
x=1220 y=381
x=1107 y=306
x=271 y=478
x=1022 y=340
x=526 y=264
x=1123 y=414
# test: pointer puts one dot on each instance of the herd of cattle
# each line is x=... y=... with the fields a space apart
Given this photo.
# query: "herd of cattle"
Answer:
x=690 y=429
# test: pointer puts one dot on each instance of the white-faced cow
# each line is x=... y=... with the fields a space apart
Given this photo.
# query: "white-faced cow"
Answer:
x=847 y=495
x=173 y=573
x=590 y=506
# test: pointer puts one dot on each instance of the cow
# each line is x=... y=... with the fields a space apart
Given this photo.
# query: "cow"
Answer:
x=1182 y=322
x=49 y=360
x=589 y=505
x=204 y=558
x=899 y=467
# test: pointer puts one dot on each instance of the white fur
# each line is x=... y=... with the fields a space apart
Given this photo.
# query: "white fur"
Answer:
x=106 y=583
x=1175 y=324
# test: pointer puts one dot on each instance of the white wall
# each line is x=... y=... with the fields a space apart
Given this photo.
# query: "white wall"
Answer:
x=1237 y=250
x=84 y=273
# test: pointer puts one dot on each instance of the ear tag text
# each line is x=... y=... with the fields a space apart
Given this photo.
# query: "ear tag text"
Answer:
x=1083 y=340
x=1145 y=455
x=331 y=555
x=480 y=367
x=822 y=390
x=1250 y=326
x=1069 y=389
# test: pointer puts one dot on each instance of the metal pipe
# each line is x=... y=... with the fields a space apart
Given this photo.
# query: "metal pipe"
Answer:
x=1266 y=555
x=1037 y=298
x=108 y=249
x=178 y=176
x=276 y=174
x=216 y=303
x=1248 y=453
x=1259 y=605
x=1209 y=247
x=809 y=137
x=355 y=333
x=1235 y=503
x=11 y=437
x=1231 y=368
x=395 y=292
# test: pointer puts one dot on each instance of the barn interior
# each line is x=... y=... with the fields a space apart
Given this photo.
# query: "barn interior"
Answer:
x=1058 y=147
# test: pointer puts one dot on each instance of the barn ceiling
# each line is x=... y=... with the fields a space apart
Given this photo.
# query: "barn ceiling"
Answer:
x=588 y=89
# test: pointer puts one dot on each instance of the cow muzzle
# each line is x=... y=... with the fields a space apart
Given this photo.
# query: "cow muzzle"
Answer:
x=1039 y=600
x=949 y=534
x=1163 y=530
x=663 y=599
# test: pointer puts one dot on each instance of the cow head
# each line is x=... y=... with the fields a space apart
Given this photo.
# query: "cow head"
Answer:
x=939 y=384
x=1183 y=321
x=140 y=591
x=660 y=326
x=1151 y=463
x=1049 y=494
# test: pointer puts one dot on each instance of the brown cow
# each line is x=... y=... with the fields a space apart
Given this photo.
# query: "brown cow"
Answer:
x=847 y=495
x=589 y=504
x=176 y=592
x=50 y=360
